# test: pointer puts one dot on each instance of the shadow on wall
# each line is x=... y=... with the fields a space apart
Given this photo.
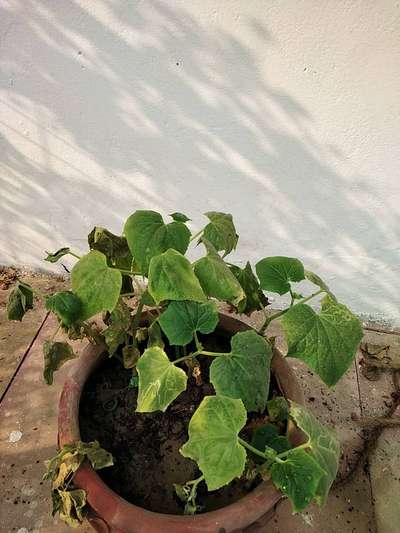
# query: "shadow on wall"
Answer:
x=155 y=109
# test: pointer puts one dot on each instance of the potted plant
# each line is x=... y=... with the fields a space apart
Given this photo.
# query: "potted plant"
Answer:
x=249 y=441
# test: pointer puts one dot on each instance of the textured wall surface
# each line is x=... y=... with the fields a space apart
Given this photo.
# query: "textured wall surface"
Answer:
x=286 y=114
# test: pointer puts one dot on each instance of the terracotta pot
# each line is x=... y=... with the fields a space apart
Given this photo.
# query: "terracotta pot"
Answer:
x=111 y=513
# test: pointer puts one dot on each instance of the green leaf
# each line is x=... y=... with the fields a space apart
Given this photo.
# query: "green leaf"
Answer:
x=268 y=435
x=217 y=280
x=54 y=257
x=298 y=477
x=275 y=273
x=55 y=355
x=147 y=299
x=213 y=440
x=160 y=381
x=148 y=236
x=327 y=341
x=97 y=286
x=72 y=506
x=324 y=448
x=245 y=372
x=278 y=409
x=314 y=278
x=19 y=301
x=120 y=322
x=66 y=305
x=255 y=297
x=221 y=232
x=155 y=336
x=182 y=319
x=179 y=217
x=130 y=356
x=171 y=277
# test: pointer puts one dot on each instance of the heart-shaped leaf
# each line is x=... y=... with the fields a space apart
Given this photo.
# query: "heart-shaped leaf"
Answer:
x=160 y=381
x=213 y=440
x=298 y=476
x=324 y=448
x=66 y=305
x=119 y=324
x=148 y=236
x=55 y=355
x=255 y=298
x=97 y=286
x=275 y=273
x=182 y=319
x=171 y=277
x=19 y=301
x=217 y=280
x=327 y=341
x=221 y=232
x=245 y=372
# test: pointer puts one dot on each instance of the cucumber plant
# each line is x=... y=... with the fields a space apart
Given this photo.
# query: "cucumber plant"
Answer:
x=149 y=262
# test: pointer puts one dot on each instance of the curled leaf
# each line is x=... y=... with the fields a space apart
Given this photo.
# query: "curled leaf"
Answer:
x=55 y=256
x=221 y=232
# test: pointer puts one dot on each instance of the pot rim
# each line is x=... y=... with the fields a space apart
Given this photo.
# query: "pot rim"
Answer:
x=110 y=506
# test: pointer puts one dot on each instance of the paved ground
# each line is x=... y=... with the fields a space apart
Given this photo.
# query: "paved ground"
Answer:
x=366 y=501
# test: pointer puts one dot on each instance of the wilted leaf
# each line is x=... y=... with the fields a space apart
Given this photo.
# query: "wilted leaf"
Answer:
x=327 y=341
x=66 y=305
x=97 y=285
x=171 y=277
x=245 y=372
x=275 y=273
x=98 y=457
x=221 y=232
x=130 y=356
x=217 y=280
x=324 y=448
x=119 y=324
x=72 y=506
x=160 y=381
x=19 y=301
x=54 y=257
x=213 y=440
x=55 y=355
x=255 y=298
x=148 y=236
x=182 y=319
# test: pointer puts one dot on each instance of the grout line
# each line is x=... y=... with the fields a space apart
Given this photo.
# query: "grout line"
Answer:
x=378 y=330
x=14 y=375
x=368 y=473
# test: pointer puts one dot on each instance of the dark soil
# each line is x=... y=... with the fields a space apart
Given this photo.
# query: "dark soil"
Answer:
x=145 y=446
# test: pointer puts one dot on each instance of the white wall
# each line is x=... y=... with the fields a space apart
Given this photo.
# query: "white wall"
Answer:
x=284 y=113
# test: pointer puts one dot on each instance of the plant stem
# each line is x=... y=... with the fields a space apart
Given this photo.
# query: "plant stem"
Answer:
x=212 y=354
x=193 y=237
x=128 y=294
x=196 y=340
x=185 y=357
x=300 y=447
x=252 y=449
x=127 y=272
x=55 y=333
x=194 y=484
x=74 y=254
x=269 y=319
